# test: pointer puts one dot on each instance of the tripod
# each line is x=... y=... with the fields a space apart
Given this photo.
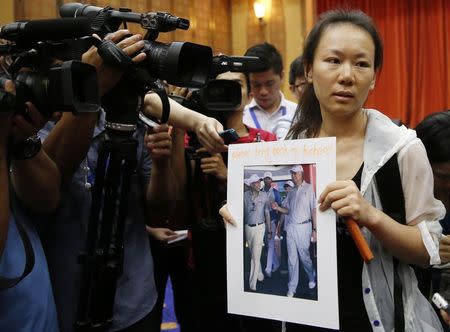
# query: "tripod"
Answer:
x=102 y=262
x=103 y=259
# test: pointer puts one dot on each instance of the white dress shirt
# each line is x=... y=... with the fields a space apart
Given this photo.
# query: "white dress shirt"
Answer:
x=277 y=123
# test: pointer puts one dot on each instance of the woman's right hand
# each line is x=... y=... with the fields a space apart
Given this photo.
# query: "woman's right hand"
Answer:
x=445 y=317
x=444 y=249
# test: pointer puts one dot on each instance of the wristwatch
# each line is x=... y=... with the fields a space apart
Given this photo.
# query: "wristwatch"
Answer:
x=27 y=149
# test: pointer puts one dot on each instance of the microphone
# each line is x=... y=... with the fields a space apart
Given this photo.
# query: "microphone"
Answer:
x=75 y=9
x=49 y=29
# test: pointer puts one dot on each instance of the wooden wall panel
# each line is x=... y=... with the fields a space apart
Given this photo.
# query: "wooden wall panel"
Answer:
x=285 y=25
x=26 y=9
x=220 y=29
x=276 y=28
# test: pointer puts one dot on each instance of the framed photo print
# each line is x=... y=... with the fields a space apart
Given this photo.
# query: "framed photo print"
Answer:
x=281 y=257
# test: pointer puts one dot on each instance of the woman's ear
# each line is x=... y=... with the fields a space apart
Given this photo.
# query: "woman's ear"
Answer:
x=308 y=71
x=372 y=84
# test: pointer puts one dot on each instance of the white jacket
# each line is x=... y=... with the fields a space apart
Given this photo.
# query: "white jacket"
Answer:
x=384 y=139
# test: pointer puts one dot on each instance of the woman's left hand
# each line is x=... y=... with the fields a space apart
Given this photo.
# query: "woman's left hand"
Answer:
x=226 y=215
x=345 y=198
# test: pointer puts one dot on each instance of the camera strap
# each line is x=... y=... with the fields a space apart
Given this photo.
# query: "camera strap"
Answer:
x=114 y=55
x=161 y=92
x=6 y=283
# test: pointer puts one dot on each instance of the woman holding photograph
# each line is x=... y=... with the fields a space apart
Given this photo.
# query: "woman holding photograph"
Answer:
x=342 y=56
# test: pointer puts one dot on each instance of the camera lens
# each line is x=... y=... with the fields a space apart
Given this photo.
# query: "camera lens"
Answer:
x=180 y=63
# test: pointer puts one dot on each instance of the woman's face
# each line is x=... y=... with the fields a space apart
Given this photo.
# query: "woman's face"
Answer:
x=343 y=71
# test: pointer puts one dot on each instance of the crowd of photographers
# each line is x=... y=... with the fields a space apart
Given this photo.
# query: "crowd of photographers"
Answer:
x=81 y=191
x=48 y=176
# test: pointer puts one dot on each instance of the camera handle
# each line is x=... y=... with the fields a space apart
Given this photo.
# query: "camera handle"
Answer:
x=102 y=263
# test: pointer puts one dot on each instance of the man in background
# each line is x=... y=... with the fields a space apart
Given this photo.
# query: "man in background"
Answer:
x=269 y=109
x=297 y=79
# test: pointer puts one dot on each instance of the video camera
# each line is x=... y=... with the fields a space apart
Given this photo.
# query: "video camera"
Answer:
x=179 y=63
x=31 y=57
x=220 y=95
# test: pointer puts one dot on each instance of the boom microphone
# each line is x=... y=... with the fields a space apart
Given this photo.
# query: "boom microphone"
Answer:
x=75 y=9
x=110 y=19
x=50 y=29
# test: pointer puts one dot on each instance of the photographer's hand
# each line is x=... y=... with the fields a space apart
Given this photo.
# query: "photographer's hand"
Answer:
x=207 y=130
x=213 y=165
x=162 y=234
x=159 y=143
x=179 y=91
x=108 y=76
x=22 y=128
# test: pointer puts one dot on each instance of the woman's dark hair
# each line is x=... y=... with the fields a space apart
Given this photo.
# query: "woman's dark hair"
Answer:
x=308 y=117
x=434 y=131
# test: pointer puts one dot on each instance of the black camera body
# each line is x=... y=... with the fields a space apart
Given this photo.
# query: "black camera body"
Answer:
x=68 y=87
x=36 y=69
x=217 y=96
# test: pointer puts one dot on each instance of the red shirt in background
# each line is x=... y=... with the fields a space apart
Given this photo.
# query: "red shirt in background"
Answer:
x=252 y=134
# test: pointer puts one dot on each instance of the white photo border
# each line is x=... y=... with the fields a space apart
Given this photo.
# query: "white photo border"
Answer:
x=324 y=311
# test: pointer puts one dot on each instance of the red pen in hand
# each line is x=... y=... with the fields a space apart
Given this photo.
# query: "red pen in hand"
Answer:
x=359 y=239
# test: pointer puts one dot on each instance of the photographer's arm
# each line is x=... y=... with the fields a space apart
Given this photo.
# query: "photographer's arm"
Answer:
x=69 y=141
x=205 y=127
x=4 y=185
x=162 y=187
x=36 y=180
